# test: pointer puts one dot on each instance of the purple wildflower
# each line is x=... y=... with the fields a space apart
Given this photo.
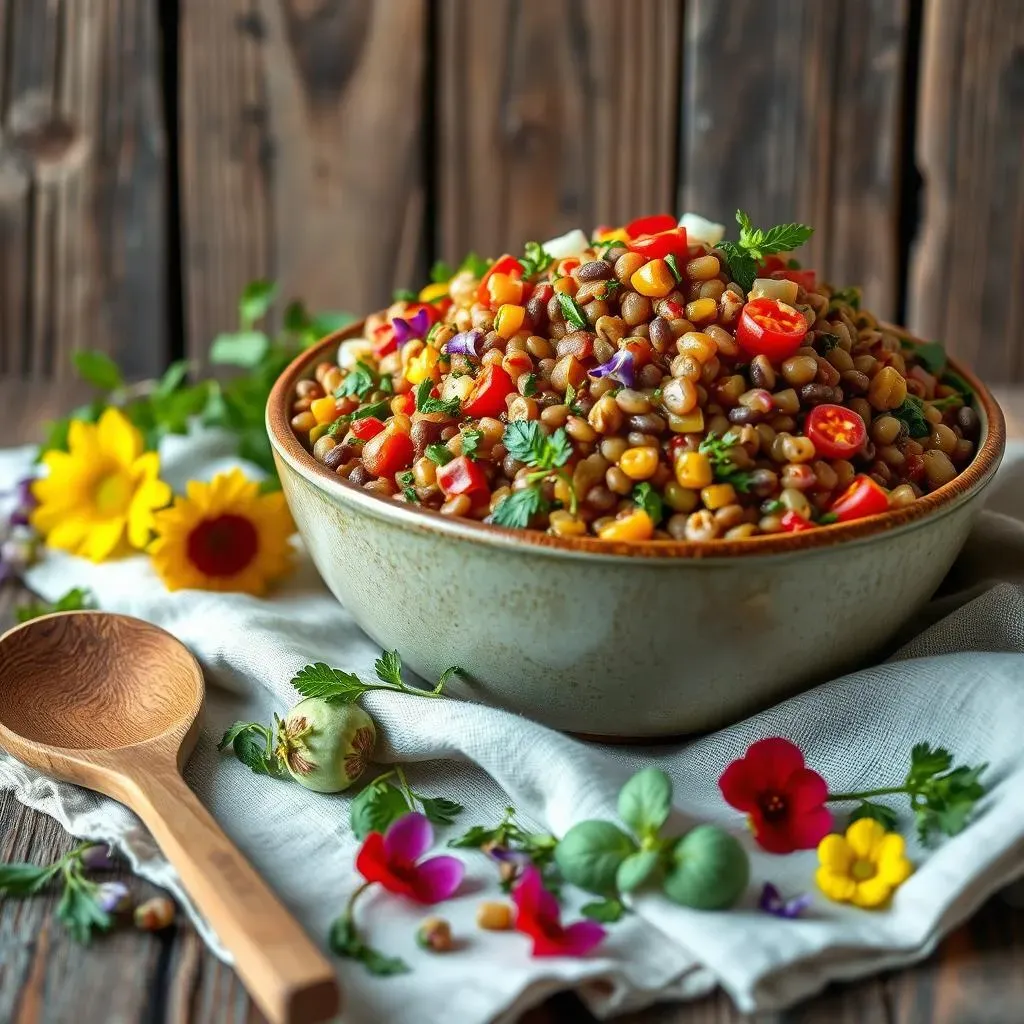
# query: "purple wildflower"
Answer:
x=620 y=367
x=113 y=897
x=771 y=902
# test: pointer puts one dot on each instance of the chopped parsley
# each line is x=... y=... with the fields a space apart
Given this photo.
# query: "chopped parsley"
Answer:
x=755 y=244
x=358 y=382
x=530 y=387
x=378 y=409
x=571 y=311
x=536 y=259
x=844 y=297
x=601 y=248
x=725 y=470
x=954 y=380
x=471 y=442
x=827 y=342
x=650 y=501
x=439 y=454
x=670 y=259
x=518 y=508
x=911 y=412
x=570 y=400
x=525 y=441
x=425 y=402
x=407 y=480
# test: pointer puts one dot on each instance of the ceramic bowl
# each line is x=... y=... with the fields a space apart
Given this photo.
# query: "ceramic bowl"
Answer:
x=622 y=641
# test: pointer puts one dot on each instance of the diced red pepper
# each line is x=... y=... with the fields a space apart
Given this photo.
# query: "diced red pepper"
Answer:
x=567 y=266
x=662 y=244
x=388 y=453
x=462 y=476
x=776 y=266
x=384 y=341
x=862 y=498
x=489 y=392
x=652 y=225
x=793 y=522
x=367 y=427
x=503 y=265
x=404 y=403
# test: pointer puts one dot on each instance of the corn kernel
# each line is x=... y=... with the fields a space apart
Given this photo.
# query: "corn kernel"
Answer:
x=637 y=525
x=564 y=524
x=693 y=470
x=509 y=319
x=639 y=463
x=318 y=431
x=697 y=344
x=423 y=366
x=701 y=309
x=691 y=423
x=324 y=410
x=718 y=496
x=504 y=288
x=653 y=279
x=434 y=292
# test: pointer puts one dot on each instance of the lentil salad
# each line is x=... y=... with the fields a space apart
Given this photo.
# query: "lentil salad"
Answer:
x=650 y=382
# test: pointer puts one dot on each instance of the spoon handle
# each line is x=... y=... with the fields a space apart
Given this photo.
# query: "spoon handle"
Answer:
x=284 y=972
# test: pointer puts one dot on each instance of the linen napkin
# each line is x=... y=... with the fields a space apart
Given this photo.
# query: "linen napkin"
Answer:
x=956 y=679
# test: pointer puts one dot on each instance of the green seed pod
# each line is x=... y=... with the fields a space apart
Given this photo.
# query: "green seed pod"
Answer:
x=325 y=747
x=709 y=870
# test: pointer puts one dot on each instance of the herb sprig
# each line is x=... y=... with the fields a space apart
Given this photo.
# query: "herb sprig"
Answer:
x=726 y=471
x=755 y=244
x=76 y=599
x=535 y=260
x=425 y=402
x=545 y=454
x=382 y=802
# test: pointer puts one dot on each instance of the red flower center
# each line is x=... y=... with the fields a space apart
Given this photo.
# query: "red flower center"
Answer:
x=223 y=546
x=773 y=805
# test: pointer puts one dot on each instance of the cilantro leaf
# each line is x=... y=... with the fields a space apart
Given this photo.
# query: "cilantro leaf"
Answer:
x=471 y=439
x=389 y=668
x=911 y=412
x=954 y=380
x=926 y=761
x=530 y=388
x=440 y=811
x=932 y=356
x=359 y=382
x=378 y=409
x=670 y=260
x=97 y=369
x=426 y=403
x=742 y=266
x=440 y=454
x=571 y=311
x=942 y=797
x=527 y=442
x=344 y=941
x=717 y=450
x=518 y=508
x=378 y=806
x=755 y=244
x=845 y=297
x=650 y=501
x=407 y=482
x=536 y=259
x=332 y=684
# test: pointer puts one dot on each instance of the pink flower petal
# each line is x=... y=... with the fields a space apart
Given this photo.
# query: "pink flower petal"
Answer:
x=437 y=878
x=532 y=899
x=580 y=938
x=408 y=839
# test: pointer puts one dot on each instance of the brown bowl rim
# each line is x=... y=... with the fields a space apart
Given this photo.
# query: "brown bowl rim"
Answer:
x=288 y=447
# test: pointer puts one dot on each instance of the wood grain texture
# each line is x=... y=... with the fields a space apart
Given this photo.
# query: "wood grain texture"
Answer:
x=552 y=114
x=82 y=186
x=967 y=273
x=301 y=153
x=791 y=112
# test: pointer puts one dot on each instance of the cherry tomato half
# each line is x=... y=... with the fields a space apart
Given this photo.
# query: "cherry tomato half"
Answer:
x=862 y=498
x=462 y=476
x=793 y=522
x=662 y=244
x=771 y=328
x=652 y=225
x=367 y=427
x=503 y=265
x=837 y=432
x=388 y=453
x=489 y=392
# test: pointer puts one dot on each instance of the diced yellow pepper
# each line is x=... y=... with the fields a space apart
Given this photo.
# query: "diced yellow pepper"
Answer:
x=434 y=292
x=718 y=496
x=637 y=525
x=504 y=288
x=653 y=279
x=564 y=284
x=693 y=470
x=509 y=319
x=689 y=423
x=615 y=235
x=700 y=309
x=324 y=410
x=423 y=366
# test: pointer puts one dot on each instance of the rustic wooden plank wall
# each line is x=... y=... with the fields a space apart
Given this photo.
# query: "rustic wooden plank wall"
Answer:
x=340 y=146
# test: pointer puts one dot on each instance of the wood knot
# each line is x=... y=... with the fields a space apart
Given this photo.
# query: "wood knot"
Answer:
x=46 y=143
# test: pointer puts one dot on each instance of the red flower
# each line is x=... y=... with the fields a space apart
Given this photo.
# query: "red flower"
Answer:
x=537 y=916
x=784 y=799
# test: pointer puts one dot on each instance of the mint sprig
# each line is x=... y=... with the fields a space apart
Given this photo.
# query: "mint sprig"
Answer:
x=755 y=244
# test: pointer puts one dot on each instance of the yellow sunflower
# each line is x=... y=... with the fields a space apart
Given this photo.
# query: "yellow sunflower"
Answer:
x=99 y=496
x=223 y=535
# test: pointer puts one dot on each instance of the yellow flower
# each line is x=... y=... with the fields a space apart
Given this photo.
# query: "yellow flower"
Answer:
x=863 y=867
x=224 y=535
x=101 y=492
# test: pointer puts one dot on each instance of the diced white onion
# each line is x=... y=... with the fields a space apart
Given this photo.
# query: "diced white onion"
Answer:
x=352 y=350
x=699 y=229
x=769 y=288
x=572 y=243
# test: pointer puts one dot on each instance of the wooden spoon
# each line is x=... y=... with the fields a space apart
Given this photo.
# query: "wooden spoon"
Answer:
x=110 y=703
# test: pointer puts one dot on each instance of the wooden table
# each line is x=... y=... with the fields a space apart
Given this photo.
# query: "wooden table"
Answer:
x=974 y=976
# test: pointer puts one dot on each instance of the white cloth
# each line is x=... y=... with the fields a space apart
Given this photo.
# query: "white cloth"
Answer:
x=958 y=680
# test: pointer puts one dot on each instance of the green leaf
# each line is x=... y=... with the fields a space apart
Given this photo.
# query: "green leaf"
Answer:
x=571 y=311
x=296 y=318
x=441 y=272
x=23 y=879
x=329 y=322
x=845 y=297
x=358 y=382
x=389 y=668
x=742 y=266
x=638 y=869
x=518 y=508
x=331 y=684
x=76 y=599
x=382 y=966
x=403 y=295
x=536 y=259
x=589 y=855
x=425 y=403
x=524 y=441
x=826 y=342
x=475 y=264
x=439 y=454
x=954 y=380
x=650 y=501
x=79 y=912
x=911 y=412
x=252 y=752
x=606 y=911
x=471 y=439
x=451 y=670
x=475 y=837
x=645 y=801
x=378 y=409
x=709 y=869
x=530 y=387
x=932 y=356
x=670 y=260
x=440 y=811
x=378 y=806
x=927 y=761
x=256 y=300
x=235 y=730
x=344 y=941
x=243 y=348
x=885 y=816
x=97 y=369
x=172 y=379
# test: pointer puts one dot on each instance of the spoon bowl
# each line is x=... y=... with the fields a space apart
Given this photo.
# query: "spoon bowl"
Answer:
x=111 y=703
